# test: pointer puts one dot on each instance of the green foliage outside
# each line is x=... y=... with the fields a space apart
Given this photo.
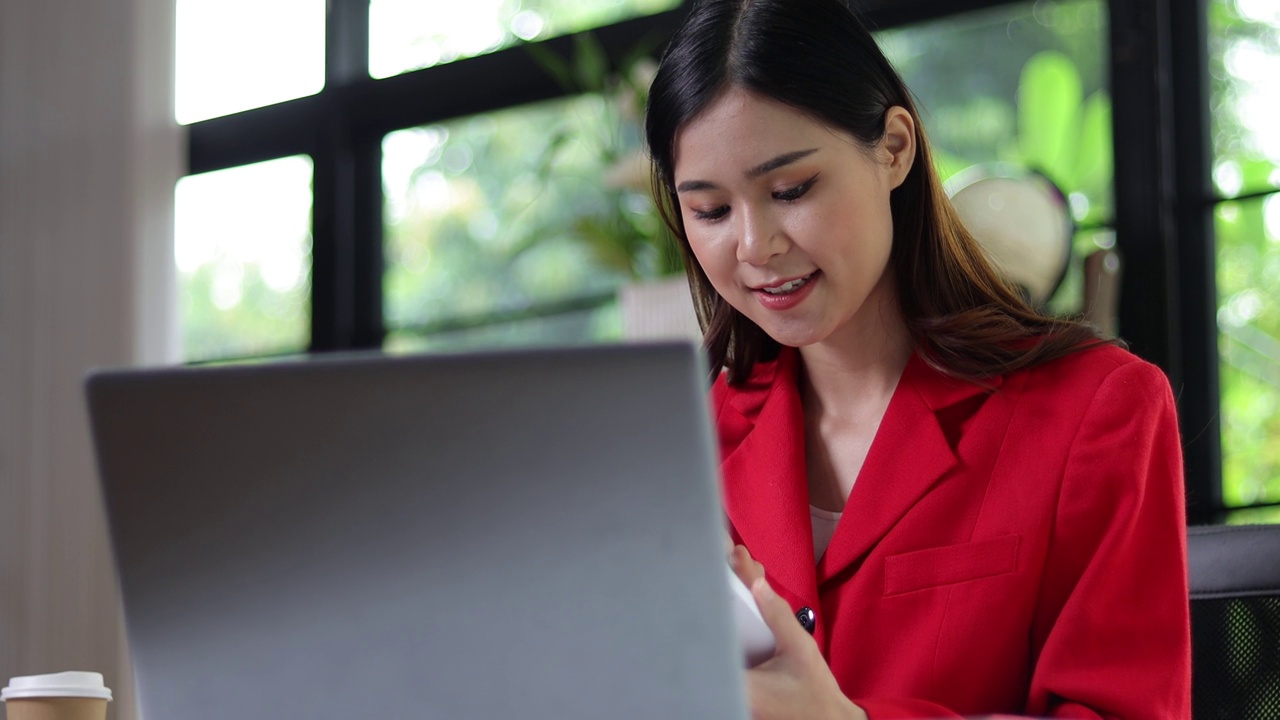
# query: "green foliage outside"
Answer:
x=479 y=227
x=563 y=208
x=264 y=321
x=625 y=235
x=1246 y=162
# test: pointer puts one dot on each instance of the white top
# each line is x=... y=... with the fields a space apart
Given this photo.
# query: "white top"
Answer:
x=824 y=526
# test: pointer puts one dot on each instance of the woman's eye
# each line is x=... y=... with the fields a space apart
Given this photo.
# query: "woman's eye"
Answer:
x=796 y=192
x=712 y=214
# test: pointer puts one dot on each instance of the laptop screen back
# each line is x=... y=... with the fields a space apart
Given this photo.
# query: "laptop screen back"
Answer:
x=530 y=534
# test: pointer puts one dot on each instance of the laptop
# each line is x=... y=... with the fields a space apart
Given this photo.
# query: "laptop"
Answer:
x=503 y=534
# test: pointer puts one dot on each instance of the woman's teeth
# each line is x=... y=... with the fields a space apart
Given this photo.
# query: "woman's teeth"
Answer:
x=787 y=287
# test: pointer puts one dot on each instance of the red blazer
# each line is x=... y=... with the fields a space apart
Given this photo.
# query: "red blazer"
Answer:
x=1016 y=550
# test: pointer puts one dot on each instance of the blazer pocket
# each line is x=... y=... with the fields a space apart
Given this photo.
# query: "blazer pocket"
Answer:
x=908 y=572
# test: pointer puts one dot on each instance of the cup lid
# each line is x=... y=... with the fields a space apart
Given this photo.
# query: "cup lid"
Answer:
x=63 y=684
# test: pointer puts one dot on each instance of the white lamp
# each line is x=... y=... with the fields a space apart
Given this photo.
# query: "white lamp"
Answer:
x=1023 y=222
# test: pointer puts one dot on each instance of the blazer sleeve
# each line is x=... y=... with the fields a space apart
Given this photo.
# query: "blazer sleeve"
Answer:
x=1112 y=632
x=1111 y=636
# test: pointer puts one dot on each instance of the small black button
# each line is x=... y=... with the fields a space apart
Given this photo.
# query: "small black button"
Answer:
x=808 y=619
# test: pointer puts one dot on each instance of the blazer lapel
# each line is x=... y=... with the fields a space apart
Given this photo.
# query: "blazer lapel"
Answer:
x=909 y=455
x=766 y=491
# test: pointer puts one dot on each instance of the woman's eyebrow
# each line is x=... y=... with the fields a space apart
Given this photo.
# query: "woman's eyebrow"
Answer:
x=781 y=161
x=767 y=166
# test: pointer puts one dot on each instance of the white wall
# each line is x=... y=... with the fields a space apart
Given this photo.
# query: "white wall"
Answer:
x=89 y=154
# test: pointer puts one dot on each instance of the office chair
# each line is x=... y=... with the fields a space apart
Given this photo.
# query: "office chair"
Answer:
x=1235 y=621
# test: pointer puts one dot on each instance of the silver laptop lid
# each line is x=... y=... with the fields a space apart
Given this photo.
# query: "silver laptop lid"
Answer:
x=530 y=534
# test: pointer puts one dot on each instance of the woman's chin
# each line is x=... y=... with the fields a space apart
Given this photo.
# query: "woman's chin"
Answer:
x=795 y=337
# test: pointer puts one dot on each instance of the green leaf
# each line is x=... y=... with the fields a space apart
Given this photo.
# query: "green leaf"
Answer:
x=1094 y=158
x=546 y=158
x=1256 y=174
x=1049 y=97
x=554 y=65
x=610 y=251
x=590 y=64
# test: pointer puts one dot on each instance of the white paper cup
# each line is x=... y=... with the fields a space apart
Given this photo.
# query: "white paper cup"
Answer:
x=57 y=696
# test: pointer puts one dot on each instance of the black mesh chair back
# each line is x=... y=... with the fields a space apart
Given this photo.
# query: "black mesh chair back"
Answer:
x=1235 y=621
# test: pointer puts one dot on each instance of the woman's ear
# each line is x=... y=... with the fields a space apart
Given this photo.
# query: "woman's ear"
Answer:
x=898 y=146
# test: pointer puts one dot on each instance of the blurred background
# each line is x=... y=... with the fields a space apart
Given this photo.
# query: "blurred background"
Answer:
x=515 y=224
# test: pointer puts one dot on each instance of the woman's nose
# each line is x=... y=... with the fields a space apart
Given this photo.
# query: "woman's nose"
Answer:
x=761 y=238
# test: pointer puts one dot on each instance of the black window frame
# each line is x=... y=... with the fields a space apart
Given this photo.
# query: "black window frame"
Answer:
x=1163 y=193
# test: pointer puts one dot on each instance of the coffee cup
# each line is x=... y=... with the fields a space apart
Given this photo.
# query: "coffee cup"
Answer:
x=58 y=696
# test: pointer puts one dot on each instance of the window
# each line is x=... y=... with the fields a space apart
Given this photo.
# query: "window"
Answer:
x=1244 y=65
x=235 y=55
x=402 y=253
x=407 y=35
x=388 y=110
x=243 y=250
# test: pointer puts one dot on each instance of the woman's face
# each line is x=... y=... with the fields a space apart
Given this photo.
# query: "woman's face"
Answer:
x=788 y=217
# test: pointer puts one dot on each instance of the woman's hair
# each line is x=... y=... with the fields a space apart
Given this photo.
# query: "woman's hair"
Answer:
x=816 y=56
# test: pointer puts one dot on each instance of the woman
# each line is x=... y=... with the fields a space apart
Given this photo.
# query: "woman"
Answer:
x=971 y=507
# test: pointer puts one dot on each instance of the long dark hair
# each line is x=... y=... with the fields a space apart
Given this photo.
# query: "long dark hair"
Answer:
x=817 y=57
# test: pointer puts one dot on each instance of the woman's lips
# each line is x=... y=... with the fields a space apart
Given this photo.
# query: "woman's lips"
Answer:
x=793 y=292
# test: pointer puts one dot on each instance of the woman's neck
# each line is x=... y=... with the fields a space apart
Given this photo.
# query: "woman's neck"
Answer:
x=857 y=370
x=846 y=384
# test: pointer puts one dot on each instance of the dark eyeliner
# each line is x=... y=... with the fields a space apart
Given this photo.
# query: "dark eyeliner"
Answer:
x=714 y=214
x=795 y=193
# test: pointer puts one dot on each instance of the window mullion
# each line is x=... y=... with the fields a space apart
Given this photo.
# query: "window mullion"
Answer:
x=346 y=43
x=346 y=249
x=1143 y=179
x=1196 y=282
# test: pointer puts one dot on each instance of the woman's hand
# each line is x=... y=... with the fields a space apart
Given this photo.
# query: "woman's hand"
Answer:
x=795 y=682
